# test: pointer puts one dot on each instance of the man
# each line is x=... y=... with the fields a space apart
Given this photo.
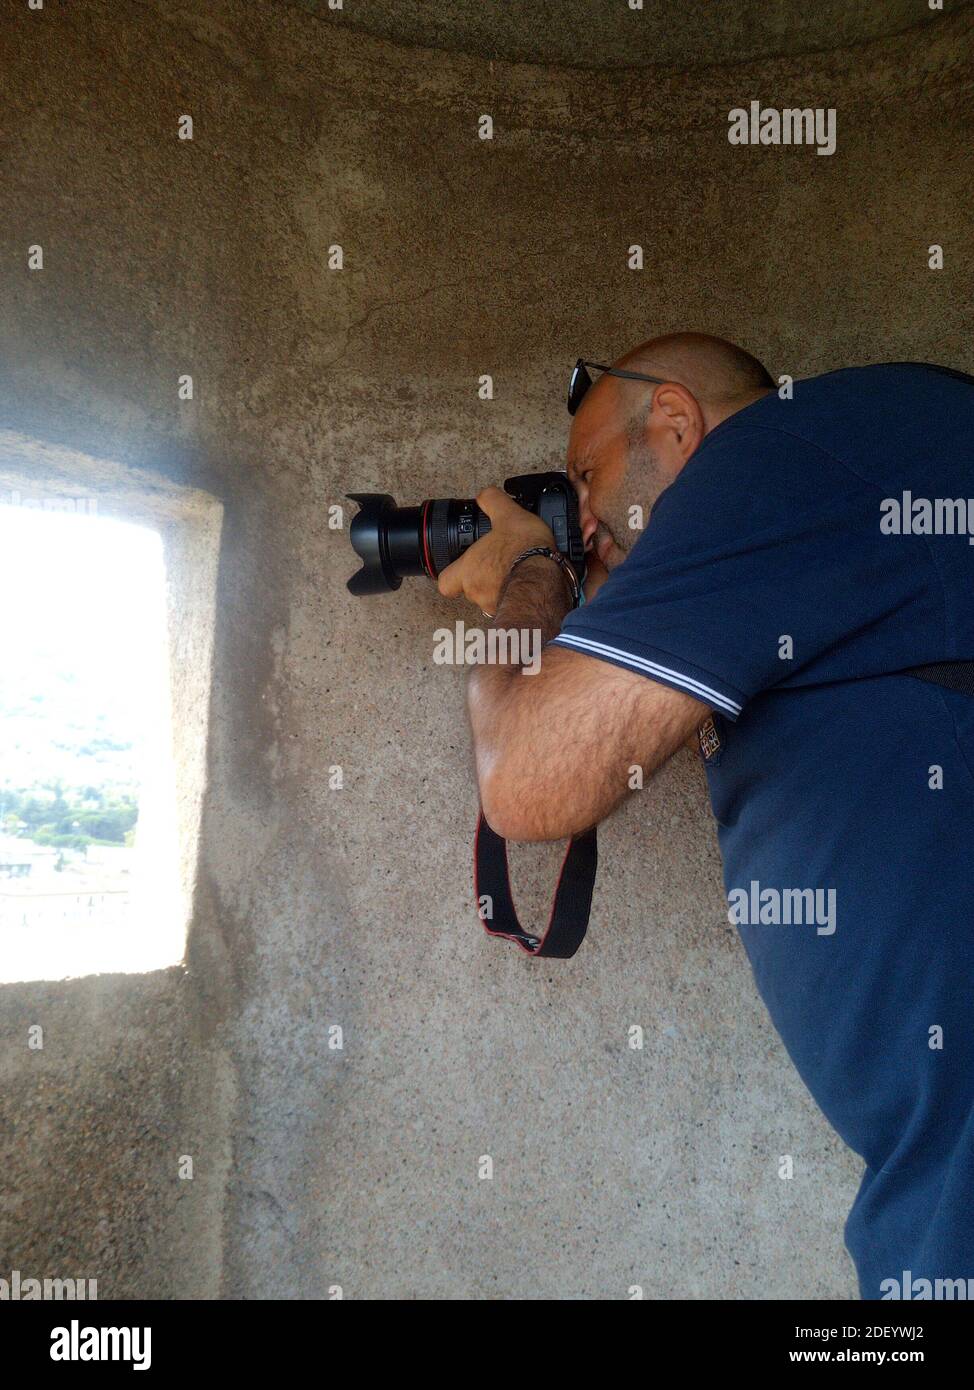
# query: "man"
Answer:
x=778 y=595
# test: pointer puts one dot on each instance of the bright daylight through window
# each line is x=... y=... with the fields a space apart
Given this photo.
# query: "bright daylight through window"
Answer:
x=88 y=866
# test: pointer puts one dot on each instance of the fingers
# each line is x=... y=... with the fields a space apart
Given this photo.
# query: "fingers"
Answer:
x=495 y=502
x=450 y=580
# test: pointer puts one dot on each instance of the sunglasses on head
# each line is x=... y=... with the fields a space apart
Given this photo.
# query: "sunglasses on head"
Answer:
x=581 y=381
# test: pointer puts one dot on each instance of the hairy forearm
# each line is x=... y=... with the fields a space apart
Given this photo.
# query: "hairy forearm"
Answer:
x=533 y=602
x=556 y=750
x=536 y=596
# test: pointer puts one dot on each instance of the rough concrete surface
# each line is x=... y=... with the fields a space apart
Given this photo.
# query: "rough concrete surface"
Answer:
x=627 y=33
x=317 y=907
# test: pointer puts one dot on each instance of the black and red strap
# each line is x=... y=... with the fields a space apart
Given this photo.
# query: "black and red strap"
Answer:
x=568 y=922
x=573 y=897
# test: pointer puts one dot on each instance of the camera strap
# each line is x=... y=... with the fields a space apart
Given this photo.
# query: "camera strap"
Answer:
x=954 y=675
x=572 y=902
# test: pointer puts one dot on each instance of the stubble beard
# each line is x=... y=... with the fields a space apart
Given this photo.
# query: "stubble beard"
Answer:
x=641 y=486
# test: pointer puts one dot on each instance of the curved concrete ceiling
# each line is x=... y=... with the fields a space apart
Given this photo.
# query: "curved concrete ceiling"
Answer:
x=607 y=33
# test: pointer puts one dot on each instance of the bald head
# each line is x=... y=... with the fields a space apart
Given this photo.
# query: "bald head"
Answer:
x=716 y=372
x=629 y=439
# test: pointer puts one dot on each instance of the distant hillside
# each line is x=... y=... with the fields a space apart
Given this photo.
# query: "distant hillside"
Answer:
x=57 y=727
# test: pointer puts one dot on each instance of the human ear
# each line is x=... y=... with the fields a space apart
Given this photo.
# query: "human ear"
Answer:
x=681 y=416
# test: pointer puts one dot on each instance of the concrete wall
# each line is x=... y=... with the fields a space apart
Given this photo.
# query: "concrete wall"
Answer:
x=354 y=907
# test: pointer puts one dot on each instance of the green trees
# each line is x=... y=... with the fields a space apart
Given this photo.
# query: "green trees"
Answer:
x=68 y=820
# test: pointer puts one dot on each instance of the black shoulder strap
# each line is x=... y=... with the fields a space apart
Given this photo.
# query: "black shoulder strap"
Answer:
x=955 y=675
x=573 y=897
x=568 y=922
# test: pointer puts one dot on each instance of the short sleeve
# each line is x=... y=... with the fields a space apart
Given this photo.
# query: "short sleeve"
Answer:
x=761 y=566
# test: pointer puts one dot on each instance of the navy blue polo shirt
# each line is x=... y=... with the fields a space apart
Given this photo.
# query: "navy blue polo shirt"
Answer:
x=777 y=582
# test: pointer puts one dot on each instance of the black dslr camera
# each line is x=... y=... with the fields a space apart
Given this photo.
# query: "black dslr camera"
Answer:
x=395 y=541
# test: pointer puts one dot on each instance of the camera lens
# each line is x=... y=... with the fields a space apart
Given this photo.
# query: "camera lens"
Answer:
x=397 y=541
x=452 y=526
x=393 y=542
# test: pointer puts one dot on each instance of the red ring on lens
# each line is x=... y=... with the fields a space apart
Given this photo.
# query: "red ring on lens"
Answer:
x=424 y=529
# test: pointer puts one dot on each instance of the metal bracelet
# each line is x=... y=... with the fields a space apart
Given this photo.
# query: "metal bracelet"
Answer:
x=559 y=560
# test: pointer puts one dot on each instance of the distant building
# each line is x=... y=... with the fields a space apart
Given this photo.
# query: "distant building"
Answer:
x=84 y=906
x=22 y=858
x=45 y=887
x=116 y=858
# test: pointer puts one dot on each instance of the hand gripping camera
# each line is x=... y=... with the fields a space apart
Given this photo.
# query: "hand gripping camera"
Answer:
x=396 y=541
